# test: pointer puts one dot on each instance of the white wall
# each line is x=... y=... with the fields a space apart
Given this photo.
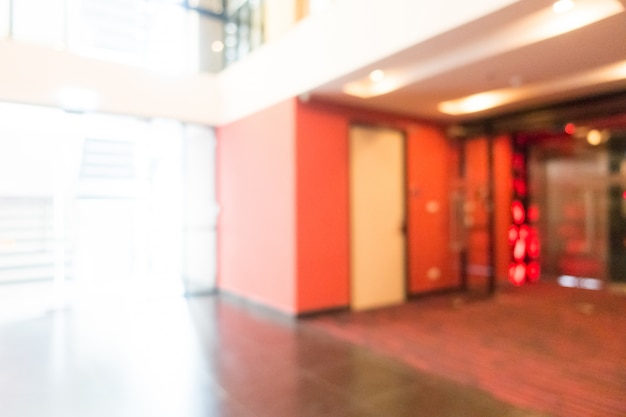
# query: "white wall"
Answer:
x=346 y=37
x=35 y=74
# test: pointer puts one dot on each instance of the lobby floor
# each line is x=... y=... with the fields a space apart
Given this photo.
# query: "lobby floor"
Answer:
x=212 y=357
x=561 y=351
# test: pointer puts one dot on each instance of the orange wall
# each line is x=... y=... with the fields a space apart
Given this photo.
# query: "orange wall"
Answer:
x=322 y=206
x=323 y=211
x=503 y=153
x=256 y=191
x=284 y=190
x=477 y=181
x=431 y=168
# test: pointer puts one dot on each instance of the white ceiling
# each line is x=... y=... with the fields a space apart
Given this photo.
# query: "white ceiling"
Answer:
x=493 y=53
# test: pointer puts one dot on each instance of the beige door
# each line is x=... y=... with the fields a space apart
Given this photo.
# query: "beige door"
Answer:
x=377 y=215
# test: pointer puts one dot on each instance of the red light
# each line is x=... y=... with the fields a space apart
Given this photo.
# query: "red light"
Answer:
x=534 y=271
x=624 y=195
x=519 y=185
x=519 y=250
x=533 y=213
x=570 y=128
x=518 y=212
x=513 y=234
x=533 y=246
x=524 y=231
x=517 y=273
x=518 y=161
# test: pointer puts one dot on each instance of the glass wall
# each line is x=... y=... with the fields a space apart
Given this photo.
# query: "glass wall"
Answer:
x=243 y=30
x=169 y=36
x=5 y=15
x=578 y=183
x=39 y=21
x=94 y=204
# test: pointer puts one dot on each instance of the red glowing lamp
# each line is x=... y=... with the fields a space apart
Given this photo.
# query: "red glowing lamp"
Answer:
x=519 y=185
x=517 y=273
x=533 y=213
x=518 y=212
x=519 y=250
x=518 y=162
x=524 y=231
x=513 y=234
x=533 y=245
x=533 y=270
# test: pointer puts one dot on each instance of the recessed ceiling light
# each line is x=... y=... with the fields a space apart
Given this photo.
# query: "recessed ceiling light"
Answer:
x=375 y=84
x=377 y=75
x=474 y=103
x=370 y=89
x=563 y=6
x=495 y=98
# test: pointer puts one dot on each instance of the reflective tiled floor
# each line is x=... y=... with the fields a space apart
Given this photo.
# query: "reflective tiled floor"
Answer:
x=210 y=357
x=558 y=350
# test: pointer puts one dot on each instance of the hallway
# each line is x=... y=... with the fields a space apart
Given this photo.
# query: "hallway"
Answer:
x=558 y=350
x=211 y=357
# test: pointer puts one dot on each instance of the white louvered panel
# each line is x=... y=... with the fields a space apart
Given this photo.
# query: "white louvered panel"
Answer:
x=44 y=232
x=18 y=260
x=19 y=223
x=118 y=26
x=8 y=246
x=26 y=239
x=107 y=159
x=45 y=272
x=107 y=171
x=11 y=208
x=110 y=147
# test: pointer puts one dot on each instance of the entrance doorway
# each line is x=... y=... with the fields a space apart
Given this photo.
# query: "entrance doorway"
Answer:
x=578 y=188
x=377 y=217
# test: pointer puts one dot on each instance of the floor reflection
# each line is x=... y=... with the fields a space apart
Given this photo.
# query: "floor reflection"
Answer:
x=209 y=357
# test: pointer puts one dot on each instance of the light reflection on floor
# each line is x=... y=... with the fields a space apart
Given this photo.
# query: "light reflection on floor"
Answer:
x=206 y=357
x=145 y=353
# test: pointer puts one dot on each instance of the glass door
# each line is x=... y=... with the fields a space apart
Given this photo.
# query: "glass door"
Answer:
x=578 y=190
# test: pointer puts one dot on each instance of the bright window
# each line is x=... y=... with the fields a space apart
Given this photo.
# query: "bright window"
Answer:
x=102 y=204
x=41 y=21
x=5 y=18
